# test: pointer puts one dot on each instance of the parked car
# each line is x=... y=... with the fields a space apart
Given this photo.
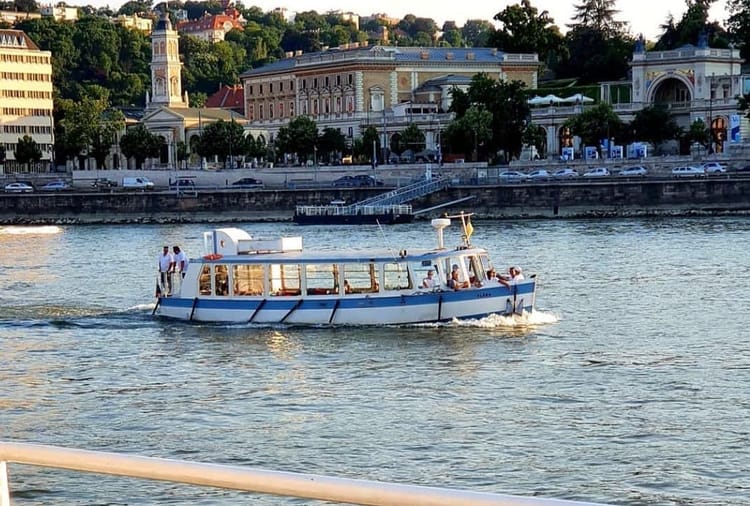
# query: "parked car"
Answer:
x=103 y=183
x=597 y=172
x=744 y=168
x=358 y=181
x=182 y=184
x=137 y=183
x=248 y=182
x=511 y=176
x=18 y=188
x=565 y=173
x=637 y=171
x=688 y=171
x=714 y=168
x=538 y=175
x=55 y=186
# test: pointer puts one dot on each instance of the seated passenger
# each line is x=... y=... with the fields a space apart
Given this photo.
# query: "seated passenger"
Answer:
x=456 y=284
x=429 y=282
x=513 y=277
x=347 y=286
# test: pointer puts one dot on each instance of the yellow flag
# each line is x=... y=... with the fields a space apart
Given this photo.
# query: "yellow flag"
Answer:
x=469 y=229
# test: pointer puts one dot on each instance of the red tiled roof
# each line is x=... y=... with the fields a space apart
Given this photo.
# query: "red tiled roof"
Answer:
x=228 y=97
x=214 y=22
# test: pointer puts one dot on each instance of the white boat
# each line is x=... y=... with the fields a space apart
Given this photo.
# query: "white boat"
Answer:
x=243 y=279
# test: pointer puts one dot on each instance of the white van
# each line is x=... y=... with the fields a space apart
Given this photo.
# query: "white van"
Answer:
x=137 y=183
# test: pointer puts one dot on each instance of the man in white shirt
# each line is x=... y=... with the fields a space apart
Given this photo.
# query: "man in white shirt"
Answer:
x=180 y=261
x=429 y=282
x=165 y=265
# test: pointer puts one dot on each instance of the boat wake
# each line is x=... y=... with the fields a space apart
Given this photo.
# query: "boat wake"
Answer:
x=515 y=321
x=40 y=230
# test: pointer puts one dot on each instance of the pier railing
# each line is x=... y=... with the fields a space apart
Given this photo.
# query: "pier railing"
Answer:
x=307 y=486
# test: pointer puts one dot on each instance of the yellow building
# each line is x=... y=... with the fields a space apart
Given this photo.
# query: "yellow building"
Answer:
x=25 y=97
x=354 y=86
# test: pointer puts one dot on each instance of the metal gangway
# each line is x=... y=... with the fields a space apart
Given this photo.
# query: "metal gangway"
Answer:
x=406 y=193
x=280 y=483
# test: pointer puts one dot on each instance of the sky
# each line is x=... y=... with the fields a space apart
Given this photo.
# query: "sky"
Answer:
x=644 y=16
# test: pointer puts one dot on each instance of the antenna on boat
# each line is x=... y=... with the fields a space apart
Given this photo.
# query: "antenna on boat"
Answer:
x=468 y=227
x=385 y=239
x=439 y=224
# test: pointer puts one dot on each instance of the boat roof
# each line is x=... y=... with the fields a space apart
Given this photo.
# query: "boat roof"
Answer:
x=345 y=256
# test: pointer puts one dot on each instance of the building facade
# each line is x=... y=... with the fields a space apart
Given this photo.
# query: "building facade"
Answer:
x=25 y=98
x=691 y=82
x=352 y=87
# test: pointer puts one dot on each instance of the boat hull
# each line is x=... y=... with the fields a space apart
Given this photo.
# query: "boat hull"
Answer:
x=378 y=309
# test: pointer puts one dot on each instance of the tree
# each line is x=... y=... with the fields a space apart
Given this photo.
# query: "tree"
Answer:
x=469 y=133
x=698 y=133
x=102 y=135
x=300 y=137
x=653 y=124
x=182 y=152
x=2 y=154
x=27 y=151
x=598 y=15
x=140 y=144
x=331 y=142
x=368 y=147
x=135 y=7
x=476 y=32
x=223 y=139
x=26 y=6
x=523 y=29
x=596 y=124
x=411 y=138
x=691 y=28
x=738 y=25
x=534 y=135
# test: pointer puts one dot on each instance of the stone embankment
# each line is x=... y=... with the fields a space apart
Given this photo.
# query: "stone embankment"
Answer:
x=576 y=199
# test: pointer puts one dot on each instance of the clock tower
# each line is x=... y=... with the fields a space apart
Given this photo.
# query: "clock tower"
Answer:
x=166 y=82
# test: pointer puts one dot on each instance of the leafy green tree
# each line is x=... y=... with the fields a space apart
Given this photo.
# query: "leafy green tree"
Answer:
x=364 y=148
x=140 y=144
x=27 y=151
x=738 y=25
x=534 y=135
x=26 y=5
x=523 y=29
x=653 y=124
x=330 y=143
x=698 y=133
x=595 y=124
x=255 y=147
x=598 y=15
x=411 y=138
x=477 y=32
x=223 y=139
x=692 y=27
x=102 y=135
x=300 y=137
x=182 y=152
x=452 y=38
x=135 y=7
x=2 y=153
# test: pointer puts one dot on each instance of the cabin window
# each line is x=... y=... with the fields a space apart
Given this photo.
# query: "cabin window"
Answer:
x=396 y=276
x=284 y=279
x=248 y=279
x=322 y=279
x=204 y=281
x=420 y=271
x=477 y=272
x=362 y=278
x=221 y=275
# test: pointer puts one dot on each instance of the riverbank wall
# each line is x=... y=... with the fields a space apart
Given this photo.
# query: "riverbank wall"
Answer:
x=579 y=199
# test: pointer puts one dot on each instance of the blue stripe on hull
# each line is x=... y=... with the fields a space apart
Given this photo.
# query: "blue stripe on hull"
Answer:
x=415 y=307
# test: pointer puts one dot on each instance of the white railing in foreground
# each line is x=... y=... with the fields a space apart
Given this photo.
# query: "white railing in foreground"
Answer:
x=309 y=486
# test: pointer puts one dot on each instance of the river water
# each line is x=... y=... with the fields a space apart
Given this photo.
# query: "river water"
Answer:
x=629 y=386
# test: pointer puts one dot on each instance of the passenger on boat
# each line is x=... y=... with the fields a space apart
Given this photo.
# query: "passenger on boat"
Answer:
x=165 y=266
x=513 y=277
x=180 y=261
x=347 y=286
x=429 y=281
x=454 y=282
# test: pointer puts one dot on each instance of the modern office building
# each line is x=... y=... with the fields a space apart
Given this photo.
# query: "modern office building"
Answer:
x=25 y=98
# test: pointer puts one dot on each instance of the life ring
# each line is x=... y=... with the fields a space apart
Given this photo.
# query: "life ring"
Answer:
x=213 y=256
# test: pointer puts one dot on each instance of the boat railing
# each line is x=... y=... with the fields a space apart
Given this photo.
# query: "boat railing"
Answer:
x=367 y=210
x=279 y=483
